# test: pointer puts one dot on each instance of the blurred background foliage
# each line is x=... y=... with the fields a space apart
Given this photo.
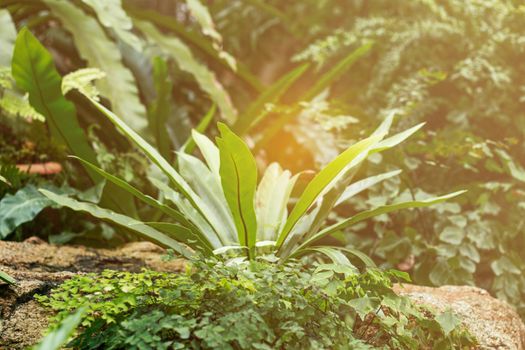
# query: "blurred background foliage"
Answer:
x=300 y=80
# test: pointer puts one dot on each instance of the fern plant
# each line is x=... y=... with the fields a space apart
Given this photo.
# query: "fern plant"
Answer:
x=218 y=206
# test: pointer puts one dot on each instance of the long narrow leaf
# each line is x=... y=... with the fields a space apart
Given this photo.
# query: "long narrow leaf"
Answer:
x=320 y=182
x=190 y=144
x=375 y=212
x=238 y=172
x=182 y=234
x=59 y=336
x=362 y=185
x=125 y=221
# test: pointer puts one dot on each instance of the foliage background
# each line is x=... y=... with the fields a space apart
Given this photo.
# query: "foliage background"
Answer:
x=453 y=64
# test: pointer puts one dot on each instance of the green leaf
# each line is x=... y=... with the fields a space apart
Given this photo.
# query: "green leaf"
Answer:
x=153 y=155
x=34 y=72
x=452 y=234
x=375 y=212
x=59 y=336
x=7 y=38
x=159 y=110
x=184 y=58
x=337 y=71
x=209 y=151
x=183 y=234
x=176 y=215
x=362 y=185
x=209 y=189
x=238 y=172
x=190 y=144
x=100 y=52
x=21 y=207
x=6 y=278
x=322 y=181
x=271 y=201
x=448 y=321
x=113 y=17
x=195 y=39
x=203 y=17
x=125 y=221
x=82 y=80
x=255 y=112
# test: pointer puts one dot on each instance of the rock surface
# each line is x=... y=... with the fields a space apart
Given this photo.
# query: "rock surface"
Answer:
x=494 y=323
x=39 y=267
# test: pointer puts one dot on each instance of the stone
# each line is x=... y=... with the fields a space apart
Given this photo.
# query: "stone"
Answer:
x=38 y=267
x=493 y=322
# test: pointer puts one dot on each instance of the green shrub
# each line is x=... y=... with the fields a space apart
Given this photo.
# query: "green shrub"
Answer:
x=252 y=305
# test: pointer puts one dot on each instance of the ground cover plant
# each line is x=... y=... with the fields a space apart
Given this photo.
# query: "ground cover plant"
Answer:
x=257 y=304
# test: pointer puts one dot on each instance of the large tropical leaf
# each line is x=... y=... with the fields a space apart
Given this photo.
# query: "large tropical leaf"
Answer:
x=100 y=52
x=375 y=212
x=203 y=17
x=60 y=335
x=320 y=183
x=136 y=226
x=113 y=17
x=7 y=38
x=196 y=40
x=184 y=58
x=184 y=235
x=35 y=73
x=21 y=207
x=238 y=172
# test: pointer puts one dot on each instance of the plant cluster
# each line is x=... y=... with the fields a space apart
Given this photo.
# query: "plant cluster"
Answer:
x=261 y=305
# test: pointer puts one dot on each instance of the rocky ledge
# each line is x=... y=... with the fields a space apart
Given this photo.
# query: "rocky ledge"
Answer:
x=38 y=267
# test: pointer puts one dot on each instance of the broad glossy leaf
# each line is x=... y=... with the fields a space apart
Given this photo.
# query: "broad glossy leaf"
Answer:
x=375 y=212
x=185 y=60
x=21 y=207
x=238 y=172
x=35 y=73
x=7 y=38
x=125 y=221
x=321 y=182
x=99 y=51
x=59 y=336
